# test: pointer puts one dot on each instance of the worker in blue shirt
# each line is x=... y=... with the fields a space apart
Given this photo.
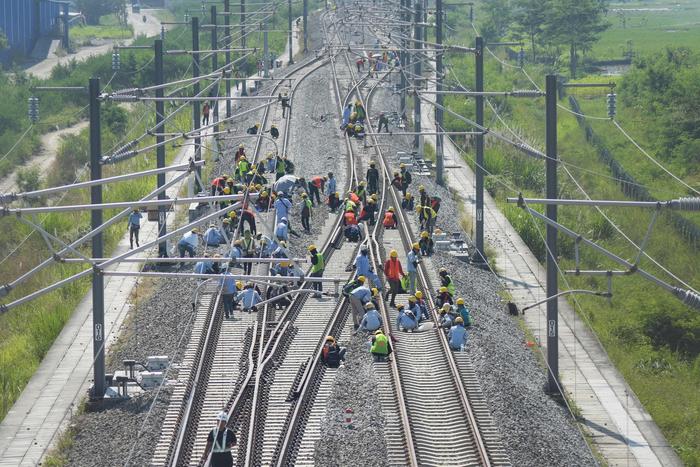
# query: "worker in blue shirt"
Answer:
x=229 y=290
x=188 y=243
x=134 y=227
x=330 y=184
x=446 y=317
x=363 y=268
x=412 y=260
x=406 y=320
x=236 y=253
x=249 y=298
x=282 y=207
x=372 y=319
x=267 y=245
x=204 y=267
x=359 y=297
x=281 y=251
x=213 y=237
x=282 y=230
x=463 y=312
x=416 y=309
x=457 y=335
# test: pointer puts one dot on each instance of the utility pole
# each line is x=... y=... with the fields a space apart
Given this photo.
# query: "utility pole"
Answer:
x=402 y=59
x=289 y=37
x=439 y=151
x=66 y=27
x=244 y=91
x=227 y=33
x=160 y=149
x=195 y=102
x=551 y=212
x=266 y=53
x=214 y=66
x=98 y=298
x=417 y=80
x=304 y=23
x=479 y=100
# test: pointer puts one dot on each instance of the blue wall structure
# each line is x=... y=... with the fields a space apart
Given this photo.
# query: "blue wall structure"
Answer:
x=23 y=21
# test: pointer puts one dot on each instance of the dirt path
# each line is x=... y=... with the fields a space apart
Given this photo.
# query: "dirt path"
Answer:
x=49 y=147
x=150 y=28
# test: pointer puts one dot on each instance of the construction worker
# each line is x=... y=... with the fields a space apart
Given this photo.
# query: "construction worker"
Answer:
x=371 y=321
x=242 y=169
x=274 y=132
x=249 y=298
x=282 y=206
x=393 y=272
x=463 y=311
x=396 y=181
x=426 y=243
x=407 y=202
x=332 y=354
x=213 y=236
x=318 y=264
x=229 y=289
x=446 y=280
x=306 y=212
x=349 y=217
x=315 y=186
x=416 y=309
x=390 y=220
x=226 y=226
x=236 y=253
x=267 y=245
x=424 y=198
x=249 y=250
x=254 y=129
x=383 y=121
x=363 y=267
x=220 y=442
x=284 y=99
x=347 y=111
x=262 y=204
x=205 y=114
x=412 y=260
x=421 y=303
x=270 y=163
x=368 y=211
x=218 y=185
x=282 y=230
x=248 y=217
x=359 y=297
x=360 y=110
x=239 y=153
x=427 y=219
x=406 y=178
x=281 y=251
x=435 y=203
x=443 y=297
x=405 y=319
x=334 y=201
x=280 y=167
x=446 y=319
x=188 y=243
x=352 y=233
x=359 y=130
x=204 y=267
x=372 y=178
x=330 y=184
x=381 y=347
x=134 y=228
x=457 y=335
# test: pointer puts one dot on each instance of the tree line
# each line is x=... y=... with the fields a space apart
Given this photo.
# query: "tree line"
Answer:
x=548 y=26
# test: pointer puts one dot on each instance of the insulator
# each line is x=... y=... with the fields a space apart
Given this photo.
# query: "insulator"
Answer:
x=162 y=33
x=521 y=58
x=531 y=151
x=686 y=204
x=688 y=297
x=612 y=105
x=33 y=111
x=526 y=93
x=116 y=61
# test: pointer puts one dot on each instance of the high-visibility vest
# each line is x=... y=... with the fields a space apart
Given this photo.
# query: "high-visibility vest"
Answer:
x=217 y=448
x=350 y=218
x=380 y=345
x=388 y=219
x=354 y=198
x=320 y=264
x=392 y=268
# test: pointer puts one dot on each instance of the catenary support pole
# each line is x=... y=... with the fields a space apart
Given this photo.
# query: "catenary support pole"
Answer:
x=305 y=24
x=244 y=82
x=160 y=150
x=402 y=59
x=551 y=212
x=98 y=298
x=214 y=66
x=479 y=102
x=266 y=54
x=289 y=37
x=417 y=81
x=195 y=103
x=227 y=33
x=439 y=98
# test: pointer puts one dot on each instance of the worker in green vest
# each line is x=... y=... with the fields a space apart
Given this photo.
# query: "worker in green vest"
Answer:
x=317 y=266
x=381 y=347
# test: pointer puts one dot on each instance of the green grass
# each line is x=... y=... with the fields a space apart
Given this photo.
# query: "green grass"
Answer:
x=109 y=28
x=649 y=31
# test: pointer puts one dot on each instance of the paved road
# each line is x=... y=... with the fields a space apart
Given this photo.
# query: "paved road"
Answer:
x=150 y=28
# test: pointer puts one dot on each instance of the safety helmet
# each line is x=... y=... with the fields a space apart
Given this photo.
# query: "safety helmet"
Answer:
x=330 y=339
x=443 y=289
x=312 y=247
x=375 y=291
x=370 y=201
x=374 y=196
x=264 y=194
x=284 y=219
x=394 y=254
x=361 y=279
x=227 y=221
x=362 y=183
x=257 y=125
x=284 y=264
x=337 y=194
x=408 y=196
x=459 y=320
x=421 y=188
x=239 y=285
x=364 y=248
x=400 y=306
x=402 y=166
x=396 y=174
x=225 y=176
x=409 y=313
x=240 y=145
x=358 y=127
x=243 y=158
x=222 y=416
x=369 y=306
x=391 y=209
x=237 y=242
x=424 y=234
x=442 y=271
x=460 y=301
x=195 y=230
x=415 y=246
x=280 y=194
x=442 y=311
x=251 y=172
x=419 y=294
x=273 y=126
x=372 y=163
x=304 y=195
x=378 y=331
x=283 y=244
x=227 y=190
x=412 y=298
